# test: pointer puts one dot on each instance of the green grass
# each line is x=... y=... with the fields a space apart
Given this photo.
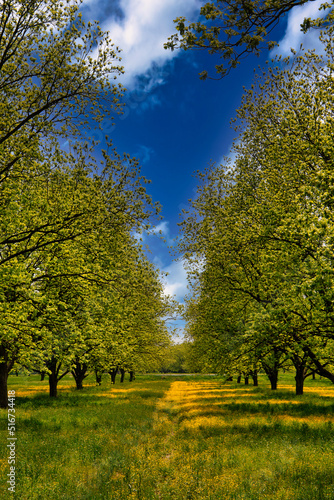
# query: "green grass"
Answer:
x=172 y=438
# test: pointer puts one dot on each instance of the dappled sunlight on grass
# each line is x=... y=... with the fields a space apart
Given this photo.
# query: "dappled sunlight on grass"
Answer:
x=31 y=391
x=241 y=443
x=175 y=439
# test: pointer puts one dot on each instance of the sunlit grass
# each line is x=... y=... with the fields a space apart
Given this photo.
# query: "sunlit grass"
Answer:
x=173 y=439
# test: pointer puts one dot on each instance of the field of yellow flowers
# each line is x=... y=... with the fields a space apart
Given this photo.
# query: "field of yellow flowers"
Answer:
x=174 y=438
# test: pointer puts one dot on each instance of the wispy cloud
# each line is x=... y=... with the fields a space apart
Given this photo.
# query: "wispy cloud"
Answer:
x=143 y=153
x=163 y=230
x=140 y=28
x=175 y=283
x=293 y=36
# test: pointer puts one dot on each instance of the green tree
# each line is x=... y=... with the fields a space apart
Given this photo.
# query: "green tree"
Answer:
x=263 y=227
x=54 y=72
x=232 y=29
x=177 y=359
x=77 y=209
x=49 y=85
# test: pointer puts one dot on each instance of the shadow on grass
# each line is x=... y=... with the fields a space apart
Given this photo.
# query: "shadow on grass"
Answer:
x=255 y=432
x=75 y=398
x=293 y=409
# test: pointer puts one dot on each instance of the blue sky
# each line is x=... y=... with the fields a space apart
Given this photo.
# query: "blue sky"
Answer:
x=173 y=122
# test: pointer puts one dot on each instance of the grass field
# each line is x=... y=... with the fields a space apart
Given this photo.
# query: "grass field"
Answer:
x=172 y=438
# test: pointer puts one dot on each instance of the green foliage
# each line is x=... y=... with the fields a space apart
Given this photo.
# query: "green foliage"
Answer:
x=263 y=228
x=75 y=286
x=177 y=359
x=233 y=29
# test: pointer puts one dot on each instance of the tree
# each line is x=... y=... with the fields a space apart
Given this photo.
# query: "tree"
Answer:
x=135 y=335
x=263 y=227
x=177 y=359
x=77 y=210
x=49 y=85
x=56 y=208
x=235 y=28
x=54 y=72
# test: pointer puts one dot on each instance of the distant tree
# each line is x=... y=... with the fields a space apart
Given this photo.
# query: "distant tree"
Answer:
x=177 y=359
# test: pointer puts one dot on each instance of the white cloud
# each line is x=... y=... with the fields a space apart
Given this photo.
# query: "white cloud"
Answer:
x=175 y=283
x=162 y=229
x=176 y=280
x=294 y=37
x=141 y=32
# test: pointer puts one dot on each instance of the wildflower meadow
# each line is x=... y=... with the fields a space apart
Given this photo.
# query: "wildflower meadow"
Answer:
x=173 y=437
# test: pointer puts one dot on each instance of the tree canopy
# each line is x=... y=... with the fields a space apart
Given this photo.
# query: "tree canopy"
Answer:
x=232 y=29
x=75 y=285
x=262 y=228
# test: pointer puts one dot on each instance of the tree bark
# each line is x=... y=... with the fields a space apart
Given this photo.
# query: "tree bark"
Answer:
x=122 y=374
x=5 y=367
x=132 y=376
x=3 y=383
x=255 y=379
x=273 y=379
x=239 y=379
x=79 y=373
x=53 y=382
x=299 y=377
x=272 y=374
x=98 y=377
x=54 y=376
x=113 y=374
x=246 y=380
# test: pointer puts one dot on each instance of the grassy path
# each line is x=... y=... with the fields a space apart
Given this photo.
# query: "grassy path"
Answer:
x=243 y=443
x=173 y=439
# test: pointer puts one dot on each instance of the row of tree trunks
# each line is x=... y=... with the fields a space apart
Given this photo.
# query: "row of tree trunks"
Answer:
x=253 y=374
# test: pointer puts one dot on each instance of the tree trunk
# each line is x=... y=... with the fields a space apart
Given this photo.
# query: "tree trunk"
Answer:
x=98 y=377
x=239 y=379
x=53 y=377
x=79 y=373
x=42 y=376
x=3 y=383
x=113 y=374
x=122 y=374
x=132 y=376
x=272 y=374
x=255 y=379
x=273 y=378
x=53 y=384
x=246 y=380
x=299 y=377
